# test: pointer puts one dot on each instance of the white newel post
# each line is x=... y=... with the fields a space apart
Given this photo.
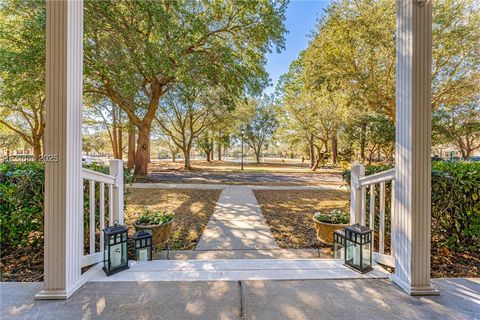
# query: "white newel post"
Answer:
x=63 y=138
x=116 y=170
x=413 y=143
x=356 y=172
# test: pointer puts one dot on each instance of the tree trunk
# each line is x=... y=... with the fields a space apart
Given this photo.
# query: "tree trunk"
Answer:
x=131 y=147
x=219 y=152
x=334 y=148
x=141 y=155
x=149 y=149
x=318 y=159
x=114 y=132
x=208 y=155
x=120 y=136
x=257 y=155
x=174 y=156
x=186 y=155
x=311 y=151
x=37 y=148
x=211 y=154
x=363 y=139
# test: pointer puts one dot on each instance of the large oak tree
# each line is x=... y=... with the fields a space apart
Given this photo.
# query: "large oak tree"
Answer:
x=135 y=51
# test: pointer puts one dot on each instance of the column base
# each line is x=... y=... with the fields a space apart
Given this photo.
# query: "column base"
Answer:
x=60 y=294
x=414 y=290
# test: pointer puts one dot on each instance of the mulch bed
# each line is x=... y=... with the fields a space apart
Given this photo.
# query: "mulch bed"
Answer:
x=192 y=209
x=289 y=215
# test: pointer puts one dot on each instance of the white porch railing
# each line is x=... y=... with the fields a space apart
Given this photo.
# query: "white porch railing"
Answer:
x=358 y=208
x=113 y=184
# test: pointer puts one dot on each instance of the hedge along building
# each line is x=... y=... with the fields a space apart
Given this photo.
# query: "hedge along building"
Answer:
x=64 y=256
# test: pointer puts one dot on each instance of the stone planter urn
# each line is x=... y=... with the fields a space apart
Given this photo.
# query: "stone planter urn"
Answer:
x=324 y=230
x=160 y=232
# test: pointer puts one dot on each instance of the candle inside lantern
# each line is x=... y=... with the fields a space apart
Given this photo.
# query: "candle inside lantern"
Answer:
x=116 y=256
x=143 y=255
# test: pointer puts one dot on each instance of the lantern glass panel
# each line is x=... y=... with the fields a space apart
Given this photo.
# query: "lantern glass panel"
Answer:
x=339 y=244
x=366 y=256
x=352 y=254
x=143 y=254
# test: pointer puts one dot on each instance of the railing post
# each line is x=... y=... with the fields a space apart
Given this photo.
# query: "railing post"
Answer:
x=357 y=171
x=116 y=170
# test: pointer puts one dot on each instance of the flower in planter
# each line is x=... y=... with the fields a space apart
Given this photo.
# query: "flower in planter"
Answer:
x=154 y=217
x=335 y=216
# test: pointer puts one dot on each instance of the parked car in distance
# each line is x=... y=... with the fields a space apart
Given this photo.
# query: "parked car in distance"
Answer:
x=92 y=160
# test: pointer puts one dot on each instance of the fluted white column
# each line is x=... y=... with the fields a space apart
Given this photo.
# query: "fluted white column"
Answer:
x=63 y=138
x=413 y=142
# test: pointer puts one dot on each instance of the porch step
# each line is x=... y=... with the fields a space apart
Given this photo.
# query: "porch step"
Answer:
x=323 y=253
x=235 y=270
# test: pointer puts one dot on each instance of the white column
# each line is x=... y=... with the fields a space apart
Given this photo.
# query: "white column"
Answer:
x=63 y=138
x=356 y=172
x=116 y=170
x=413 y=143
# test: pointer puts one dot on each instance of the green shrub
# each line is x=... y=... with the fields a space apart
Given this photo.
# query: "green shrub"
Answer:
x=334 y=216
x=455 y=202
x=21 y=202
x=154 y=217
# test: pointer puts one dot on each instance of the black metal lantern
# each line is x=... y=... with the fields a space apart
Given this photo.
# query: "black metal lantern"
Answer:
x=143 y=246
x=358 y=248
x=115 y=257
x=339 y=244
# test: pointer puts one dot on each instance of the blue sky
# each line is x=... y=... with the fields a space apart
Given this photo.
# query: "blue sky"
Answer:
x=301 y=18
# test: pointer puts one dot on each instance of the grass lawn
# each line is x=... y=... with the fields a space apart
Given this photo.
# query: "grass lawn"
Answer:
x=192 y=209
x=289 y=213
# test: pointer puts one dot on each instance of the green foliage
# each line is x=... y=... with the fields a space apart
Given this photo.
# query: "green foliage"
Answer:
x=155 y=217
x=455 y=202
x=334 y=216
x=22 y=69
x=21 y=202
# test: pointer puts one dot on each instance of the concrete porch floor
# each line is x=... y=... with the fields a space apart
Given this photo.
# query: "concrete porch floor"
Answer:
x=306 y=299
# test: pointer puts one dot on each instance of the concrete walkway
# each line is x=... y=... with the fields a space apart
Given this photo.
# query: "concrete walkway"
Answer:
x=246 y=300
x=210 y=186
x=237 y=223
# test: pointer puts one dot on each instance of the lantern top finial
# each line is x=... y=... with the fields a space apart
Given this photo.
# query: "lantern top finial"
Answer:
x=358 y=229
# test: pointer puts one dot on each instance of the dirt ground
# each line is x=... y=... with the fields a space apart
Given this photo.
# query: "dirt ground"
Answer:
x=192 y=209
x=289 y=214
x=270 y=165
x=220 y=172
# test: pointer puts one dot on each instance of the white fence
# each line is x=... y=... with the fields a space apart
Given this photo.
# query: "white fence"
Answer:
x=358 y=208
x=113 y=183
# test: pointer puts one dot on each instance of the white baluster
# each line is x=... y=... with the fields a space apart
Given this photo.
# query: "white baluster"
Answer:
x=372 y=212
x=91 y=202
x=392 y=220
x=102 y=213
x=381 y=225
x=364 y=205
x=110 y=205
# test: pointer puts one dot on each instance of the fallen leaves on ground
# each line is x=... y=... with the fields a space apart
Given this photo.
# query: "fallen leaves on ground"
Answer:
x=192 y=209
x=289 y=213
